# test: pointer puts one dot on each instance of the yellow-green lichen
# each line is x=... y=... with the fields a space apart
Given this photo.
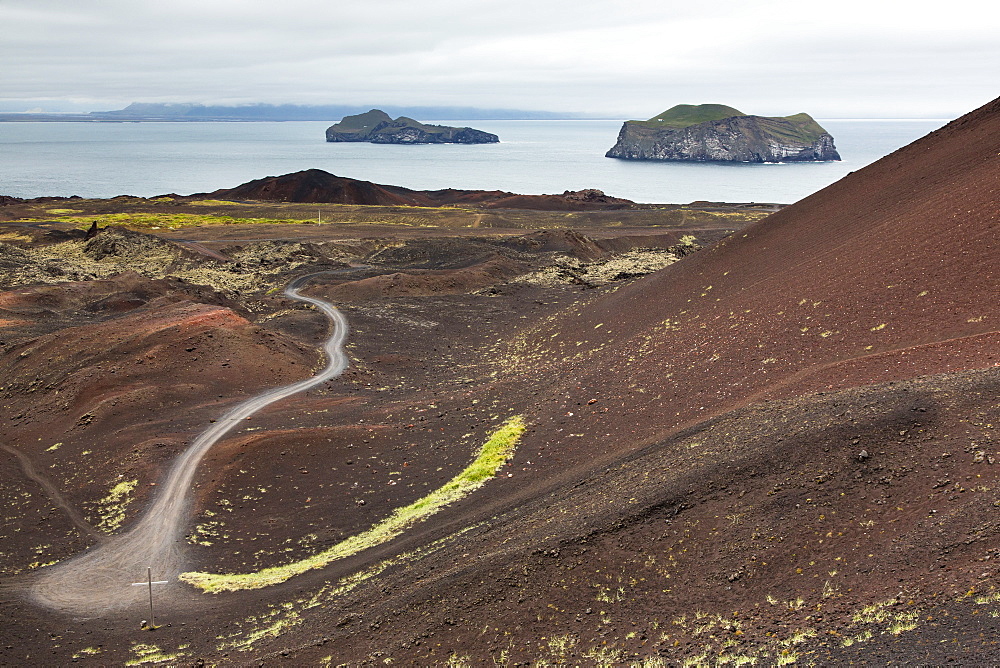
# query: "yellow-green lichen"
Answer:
x=112 y=507
x=146 y=653
x=494 y=454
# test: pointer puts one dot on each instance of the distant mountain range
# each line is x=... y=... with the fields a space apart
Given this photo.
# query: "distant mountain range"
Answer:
x=142 y=111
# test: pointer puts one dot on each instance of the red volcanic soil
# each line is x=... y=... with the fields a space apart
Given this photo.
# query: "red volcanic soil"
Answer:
x=782 y=448
x=152 y=349
x=316 y=185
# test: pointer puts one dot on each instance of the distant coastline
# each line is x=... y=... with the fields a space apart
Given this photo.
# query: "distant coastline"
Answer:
x=144 y=112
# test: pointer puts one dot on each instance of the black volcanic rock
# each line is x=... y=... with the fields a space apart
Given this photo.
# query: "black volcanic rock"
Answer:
x=705 y=133
x=378 y=127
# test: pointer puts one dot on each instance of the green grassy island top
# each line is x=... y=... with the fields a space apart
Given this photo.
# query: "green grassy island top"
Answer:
x=365 y=122
x=685 y=115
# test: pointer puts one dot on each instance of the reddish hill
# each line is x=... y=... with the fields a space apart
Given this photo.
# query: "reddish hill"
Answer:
x=666 y=504
x=316 y=185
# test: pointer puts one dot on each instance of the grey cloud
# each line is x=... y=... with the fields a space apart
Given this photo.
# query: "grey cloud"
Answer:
x=588 y=55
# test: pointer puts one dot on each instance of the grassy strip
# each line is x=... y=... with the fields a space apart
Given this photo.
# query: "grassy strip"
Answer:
x=156 y=221
x=330 y=214
x=169 y=220
x=494 y=454
x=211 y=202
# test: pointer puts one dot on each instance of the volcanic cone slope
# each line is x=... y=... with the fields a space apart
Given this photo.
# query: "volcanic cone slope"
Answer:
x=667 y=508
x=888 y=274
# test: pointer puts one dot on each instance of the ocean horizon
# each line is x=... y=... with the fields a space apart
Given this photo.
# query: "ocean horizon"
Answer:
x=146 y=159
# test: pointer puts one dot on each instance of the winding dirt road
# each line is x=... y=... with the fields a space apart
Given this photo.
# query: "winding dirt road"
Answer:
x=98 y=580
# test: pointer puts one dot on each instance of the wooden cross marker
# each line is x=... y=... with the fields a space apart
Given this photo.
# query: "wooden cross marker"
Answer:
x=149 y=582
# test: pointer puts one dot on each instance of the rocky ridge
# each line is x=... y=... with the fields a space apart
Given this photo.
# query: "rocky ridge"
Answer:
x=377 y=127
x=680 y=134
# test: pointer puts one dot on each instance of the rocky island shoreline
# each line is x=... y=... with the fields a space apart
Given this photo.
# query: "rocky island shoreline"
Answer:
x=718 y=133
x=377 y=127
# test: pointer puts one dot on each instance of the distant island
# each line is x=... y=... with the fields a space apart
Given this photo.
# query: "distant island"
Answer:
x=378 y=127
x=718 y=133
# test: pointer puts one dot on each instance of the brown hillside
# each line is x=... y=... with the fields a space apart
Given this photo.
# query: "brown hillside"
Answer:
x=781 y=449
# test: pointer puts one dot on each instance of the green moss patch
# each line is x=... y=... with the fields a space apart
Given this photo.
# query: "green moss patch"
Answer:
x=152 y=221
x=494 y=454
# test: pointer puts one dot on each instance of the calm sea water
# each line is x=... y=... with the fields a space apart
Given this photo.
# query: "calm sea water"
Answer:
x=534 y=157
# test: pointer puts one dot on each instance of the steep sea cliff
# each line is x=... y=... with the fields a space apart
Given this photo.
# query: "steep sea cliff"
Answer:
x=725 y=135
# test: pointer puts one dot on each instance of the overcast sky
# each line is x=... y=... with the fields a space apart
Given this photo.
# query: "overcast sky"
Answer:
x=628 y=59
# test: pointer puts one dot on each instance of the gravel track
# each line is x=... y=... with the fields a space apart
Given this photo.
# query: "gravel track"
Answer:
x=98 y=581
